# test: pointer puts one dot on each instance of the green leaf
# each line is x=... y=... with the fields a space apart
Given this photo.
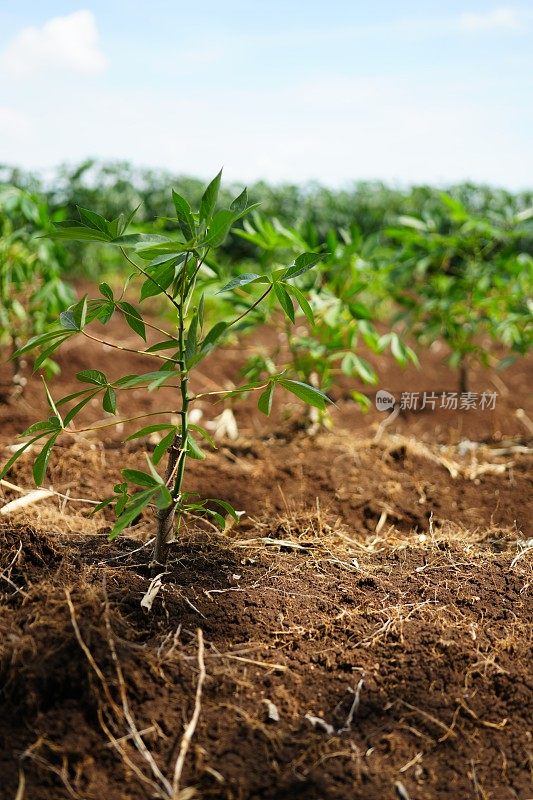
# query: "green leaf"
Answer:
x=302 y=264
x=109 y=401
x=94 y=220
x=132 y=510
x=285 y=301
x=309 y=394
x=168 y=344
x=38 y=341
x=204 y=434
x=133 y=318
x=228 y=508
x=148 y=429
x=302 y=302
x=41 y=462
x=74 y=318
x=209 y=199
x=73 y=231
x=240 y=203
x=162 y=446
x=138 y=477
x=359 y=311
x=69 y=416
x=155 y=474
x=215 y=333
x=243 y=280
x=106 y=290
x=160 y=279
x=360 y=367
x=163 y=497
x=92 y=376
x=219 y=227
x=219 y=519
x=105 y=313
x=184 y=215
x=136 y=380
x=48 y=425
x=362 y=400
x=194 y=450
x=265 y=399
x=132 y=239
x=19 y=452
x=201 y=307
x=103 y=504
x=44 y=355
x=51 y=402
x=191 y=342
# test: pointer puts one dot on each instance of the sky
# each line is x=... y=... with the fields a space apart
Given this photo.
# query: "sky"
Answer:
x=286 y=90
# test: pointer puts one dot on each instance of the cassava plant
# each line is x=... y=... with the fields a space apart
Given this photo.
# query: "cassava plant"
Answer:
x=32 y=291
x=461 y=278
x=336 y=312
x=173 y=269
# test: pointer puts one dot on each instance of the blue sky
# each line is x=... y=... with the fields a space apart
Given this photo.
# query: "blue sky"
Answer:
x=288 y=91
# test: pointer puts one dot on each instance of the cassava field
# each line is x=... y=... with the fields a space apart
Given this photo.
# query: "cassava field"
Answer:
x=363 y=632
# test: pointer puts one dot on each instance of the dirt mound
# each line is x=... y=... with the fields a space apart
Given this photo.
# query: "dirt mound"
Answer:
x=333 y=670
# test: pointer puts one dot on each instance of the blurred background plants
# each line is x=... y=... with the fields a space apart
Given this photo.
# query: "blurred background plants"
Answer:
x=32 y=290
x=401 y=268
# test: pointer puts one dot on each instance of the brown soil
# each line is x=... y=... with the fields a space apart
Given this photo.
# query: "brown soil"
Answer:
x=379 y=581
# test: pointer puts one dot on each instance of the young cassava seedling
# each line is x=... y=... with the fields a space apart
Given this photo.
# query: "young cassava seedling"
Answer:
x=174 y=269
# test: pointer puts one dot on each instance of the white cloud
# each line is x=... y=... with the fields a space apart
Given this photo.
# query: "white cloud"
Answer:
x=68 y=43
x=13 y=123
x=334 y=130
x=499 y=19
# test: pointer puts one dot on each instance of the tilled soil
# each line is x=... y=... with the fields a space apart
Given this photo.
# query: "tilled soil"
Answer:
x=400 y=672
x=366 y=628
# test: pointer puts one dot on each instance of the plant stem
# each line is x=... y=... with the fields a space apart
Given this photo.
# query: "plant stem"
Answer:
x=18 y=379
x=165 y=516
x=250 y=308
x=463 y=376
x=178 y=451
